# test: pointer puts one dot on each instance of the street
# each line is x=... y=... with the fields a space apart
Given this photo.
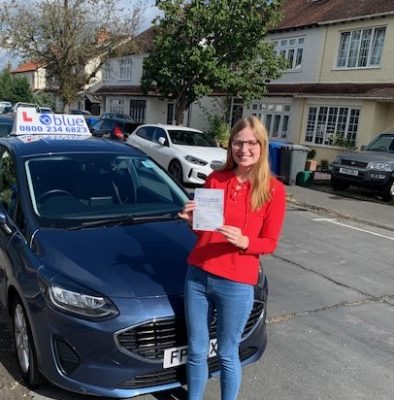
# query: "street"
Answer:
x=330 y=319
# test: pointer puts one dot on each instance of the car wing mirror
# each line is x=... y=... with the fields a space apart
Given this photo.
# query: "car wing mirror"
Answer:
x=162 y=141
x=3 y=223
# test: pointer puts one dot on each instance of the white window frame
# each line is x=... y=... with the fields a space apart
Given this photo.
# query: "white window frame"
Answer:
x=332 y=125
x=276 y=117
x=292 y=49
x=125 y=69
x=116 y=105
x=106 y=71
x=361 y=48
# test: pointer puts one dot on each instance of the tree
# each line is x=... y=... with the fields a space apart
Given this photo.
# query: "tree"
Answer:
x=202 y=46
x=68 y=35
x=13 y=88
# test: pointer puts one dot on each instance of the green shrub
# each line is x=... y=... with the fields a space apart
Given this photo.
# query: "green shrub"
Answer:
x=219 y=130
x=311 y=154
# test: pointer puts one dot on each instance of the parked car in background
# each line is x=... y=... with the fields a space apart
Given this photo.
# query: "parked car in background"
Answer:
x=26 y=105
x=371 y=168
x=116 y=115
x=6 y=125
x=46 y=110
x=93 y=266
x=113 y=128
x=5 y=106
x=79 y=112
x=188 y=154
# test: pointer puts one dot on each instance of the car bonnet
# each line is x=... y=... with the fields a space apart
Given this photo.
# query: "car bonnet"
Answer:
x=205 y=153
x=130 y=261
x=369 y=156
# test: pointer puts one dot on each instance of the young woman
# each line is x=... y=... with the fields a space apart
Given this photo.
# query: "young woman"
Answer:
x=224 y=264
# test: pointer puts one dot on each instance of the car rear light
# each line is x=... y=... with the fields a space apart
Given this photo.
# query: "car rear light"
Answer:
x=118 y=133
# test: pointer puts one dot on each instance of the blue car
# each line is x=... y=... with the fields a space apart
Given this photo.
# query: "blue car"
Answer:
x=93 y=258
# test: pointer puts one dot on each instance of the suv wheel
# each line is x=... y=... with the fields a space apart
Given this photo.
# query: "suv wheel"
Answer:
x=388 y=192
x=337 y=184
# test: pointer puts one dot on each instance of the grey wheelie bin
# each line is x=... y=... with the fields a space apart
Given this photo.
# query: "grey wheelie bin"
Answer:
x=292 y=161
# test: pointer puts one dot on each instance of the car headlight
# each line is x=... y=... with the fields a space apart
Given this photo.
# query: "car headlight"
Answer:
x=71 y=298
x=80 y=303
x=381 y=166
x=195 y=160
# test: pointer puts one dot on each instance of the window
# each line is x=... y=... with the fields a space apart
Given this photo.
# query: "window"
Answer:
x=292 y=50
x=125 y=68
x=107 y=71
x=116 y=106
x=275 y=116
x=137 y=110
x=361 y=48
x=332 y=125
x=146 y=132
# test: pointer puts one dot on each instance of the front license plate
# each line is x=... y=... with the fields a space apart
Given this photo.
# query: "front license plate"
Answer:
x=178 y=355
x=348 y=171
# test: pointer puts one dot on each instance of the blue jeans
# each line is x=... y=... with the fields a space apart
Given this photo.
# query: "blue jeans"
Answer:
x=233 y=301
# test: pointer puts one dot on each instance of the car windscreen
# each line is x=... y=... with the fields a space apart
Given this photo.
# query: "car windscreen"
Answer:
x=384 y=143
x=69 y=191
x=190 y=138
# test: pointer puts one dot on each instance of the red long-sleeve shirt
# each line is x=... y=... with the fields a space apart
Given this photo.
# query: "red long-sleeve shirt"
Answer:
x=214 y=254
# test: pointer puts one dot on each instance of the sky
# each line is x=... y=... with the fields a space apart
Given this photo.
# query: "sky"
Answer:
x=150 y=13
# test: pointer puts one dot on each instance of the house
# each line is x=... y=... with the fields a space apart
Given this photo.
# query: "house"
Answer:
x=35 y=74
x=39 y=80
x=121 y=91
x=338 y=90
x=337 y=93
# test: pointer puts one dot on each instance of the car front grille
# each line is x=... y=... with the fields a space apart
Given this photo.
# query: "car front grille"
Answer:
x=149 y=340
x=351 y=163
x=177 y=374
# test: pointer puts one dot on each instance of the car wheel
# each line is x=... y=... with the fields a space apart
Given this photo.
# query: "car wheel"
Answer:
x=337 y=184
x=175 y=169
x=25 y=350
x=388 y=193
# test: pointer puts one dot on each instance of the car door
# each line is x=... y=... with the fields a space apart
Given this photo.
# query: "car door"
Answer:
x=9 y=200
x=142 y=139
x=161 y=152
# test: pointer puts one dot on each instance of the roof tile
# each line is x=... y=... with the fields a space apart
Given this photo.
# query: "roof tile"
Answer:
x=302 y=13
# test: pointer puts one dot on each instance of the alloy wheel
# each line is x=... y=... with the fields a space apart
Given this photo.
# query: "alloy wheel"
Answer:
x=21 y=338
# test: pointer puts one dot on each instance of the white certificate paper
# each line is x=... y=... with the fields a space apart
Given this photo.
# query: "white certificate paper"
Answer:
x=208 y=215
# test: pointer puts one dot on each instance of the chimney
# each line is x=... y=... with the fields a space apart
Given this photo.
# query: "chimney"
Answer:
x=102 y=36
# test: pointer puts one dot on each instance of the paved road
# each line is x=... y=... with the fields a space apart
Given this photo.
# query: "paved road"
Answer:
x=331 y=319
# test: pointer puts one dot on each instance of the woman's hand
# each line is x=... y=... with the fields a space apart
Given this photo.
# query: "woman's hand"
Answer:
x=187 y=212
x=234 y=236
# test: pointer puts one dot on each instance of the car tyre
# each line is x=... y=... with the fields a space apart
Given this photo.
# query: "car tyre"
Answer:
x=388 y=193
x=175 y=169
x=25 y=351
x=337 y=184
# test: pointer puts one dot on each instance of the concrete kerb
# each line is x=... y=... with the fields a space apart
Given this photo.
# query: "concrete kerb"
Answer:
x=291 y=199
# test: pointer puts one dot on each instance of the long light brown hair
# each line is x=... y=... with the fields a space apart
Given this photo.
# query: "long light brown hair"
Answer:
x=260 y=174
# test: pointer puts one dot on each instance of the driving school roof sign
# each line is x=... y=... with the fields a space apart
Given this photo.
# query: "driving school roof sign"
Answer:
x=29 y=122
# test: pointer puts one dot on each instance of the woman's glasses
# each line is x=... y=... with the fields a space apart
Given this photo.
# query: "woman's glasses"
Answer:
x=250 y=144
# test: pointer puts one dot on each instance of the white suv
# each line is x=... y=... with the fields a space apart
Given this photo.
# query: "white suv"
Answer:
x=188 y=154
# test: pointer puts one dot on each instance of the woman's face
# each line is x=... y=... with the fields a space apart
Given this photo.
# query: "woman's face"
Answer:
x=245 y=148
